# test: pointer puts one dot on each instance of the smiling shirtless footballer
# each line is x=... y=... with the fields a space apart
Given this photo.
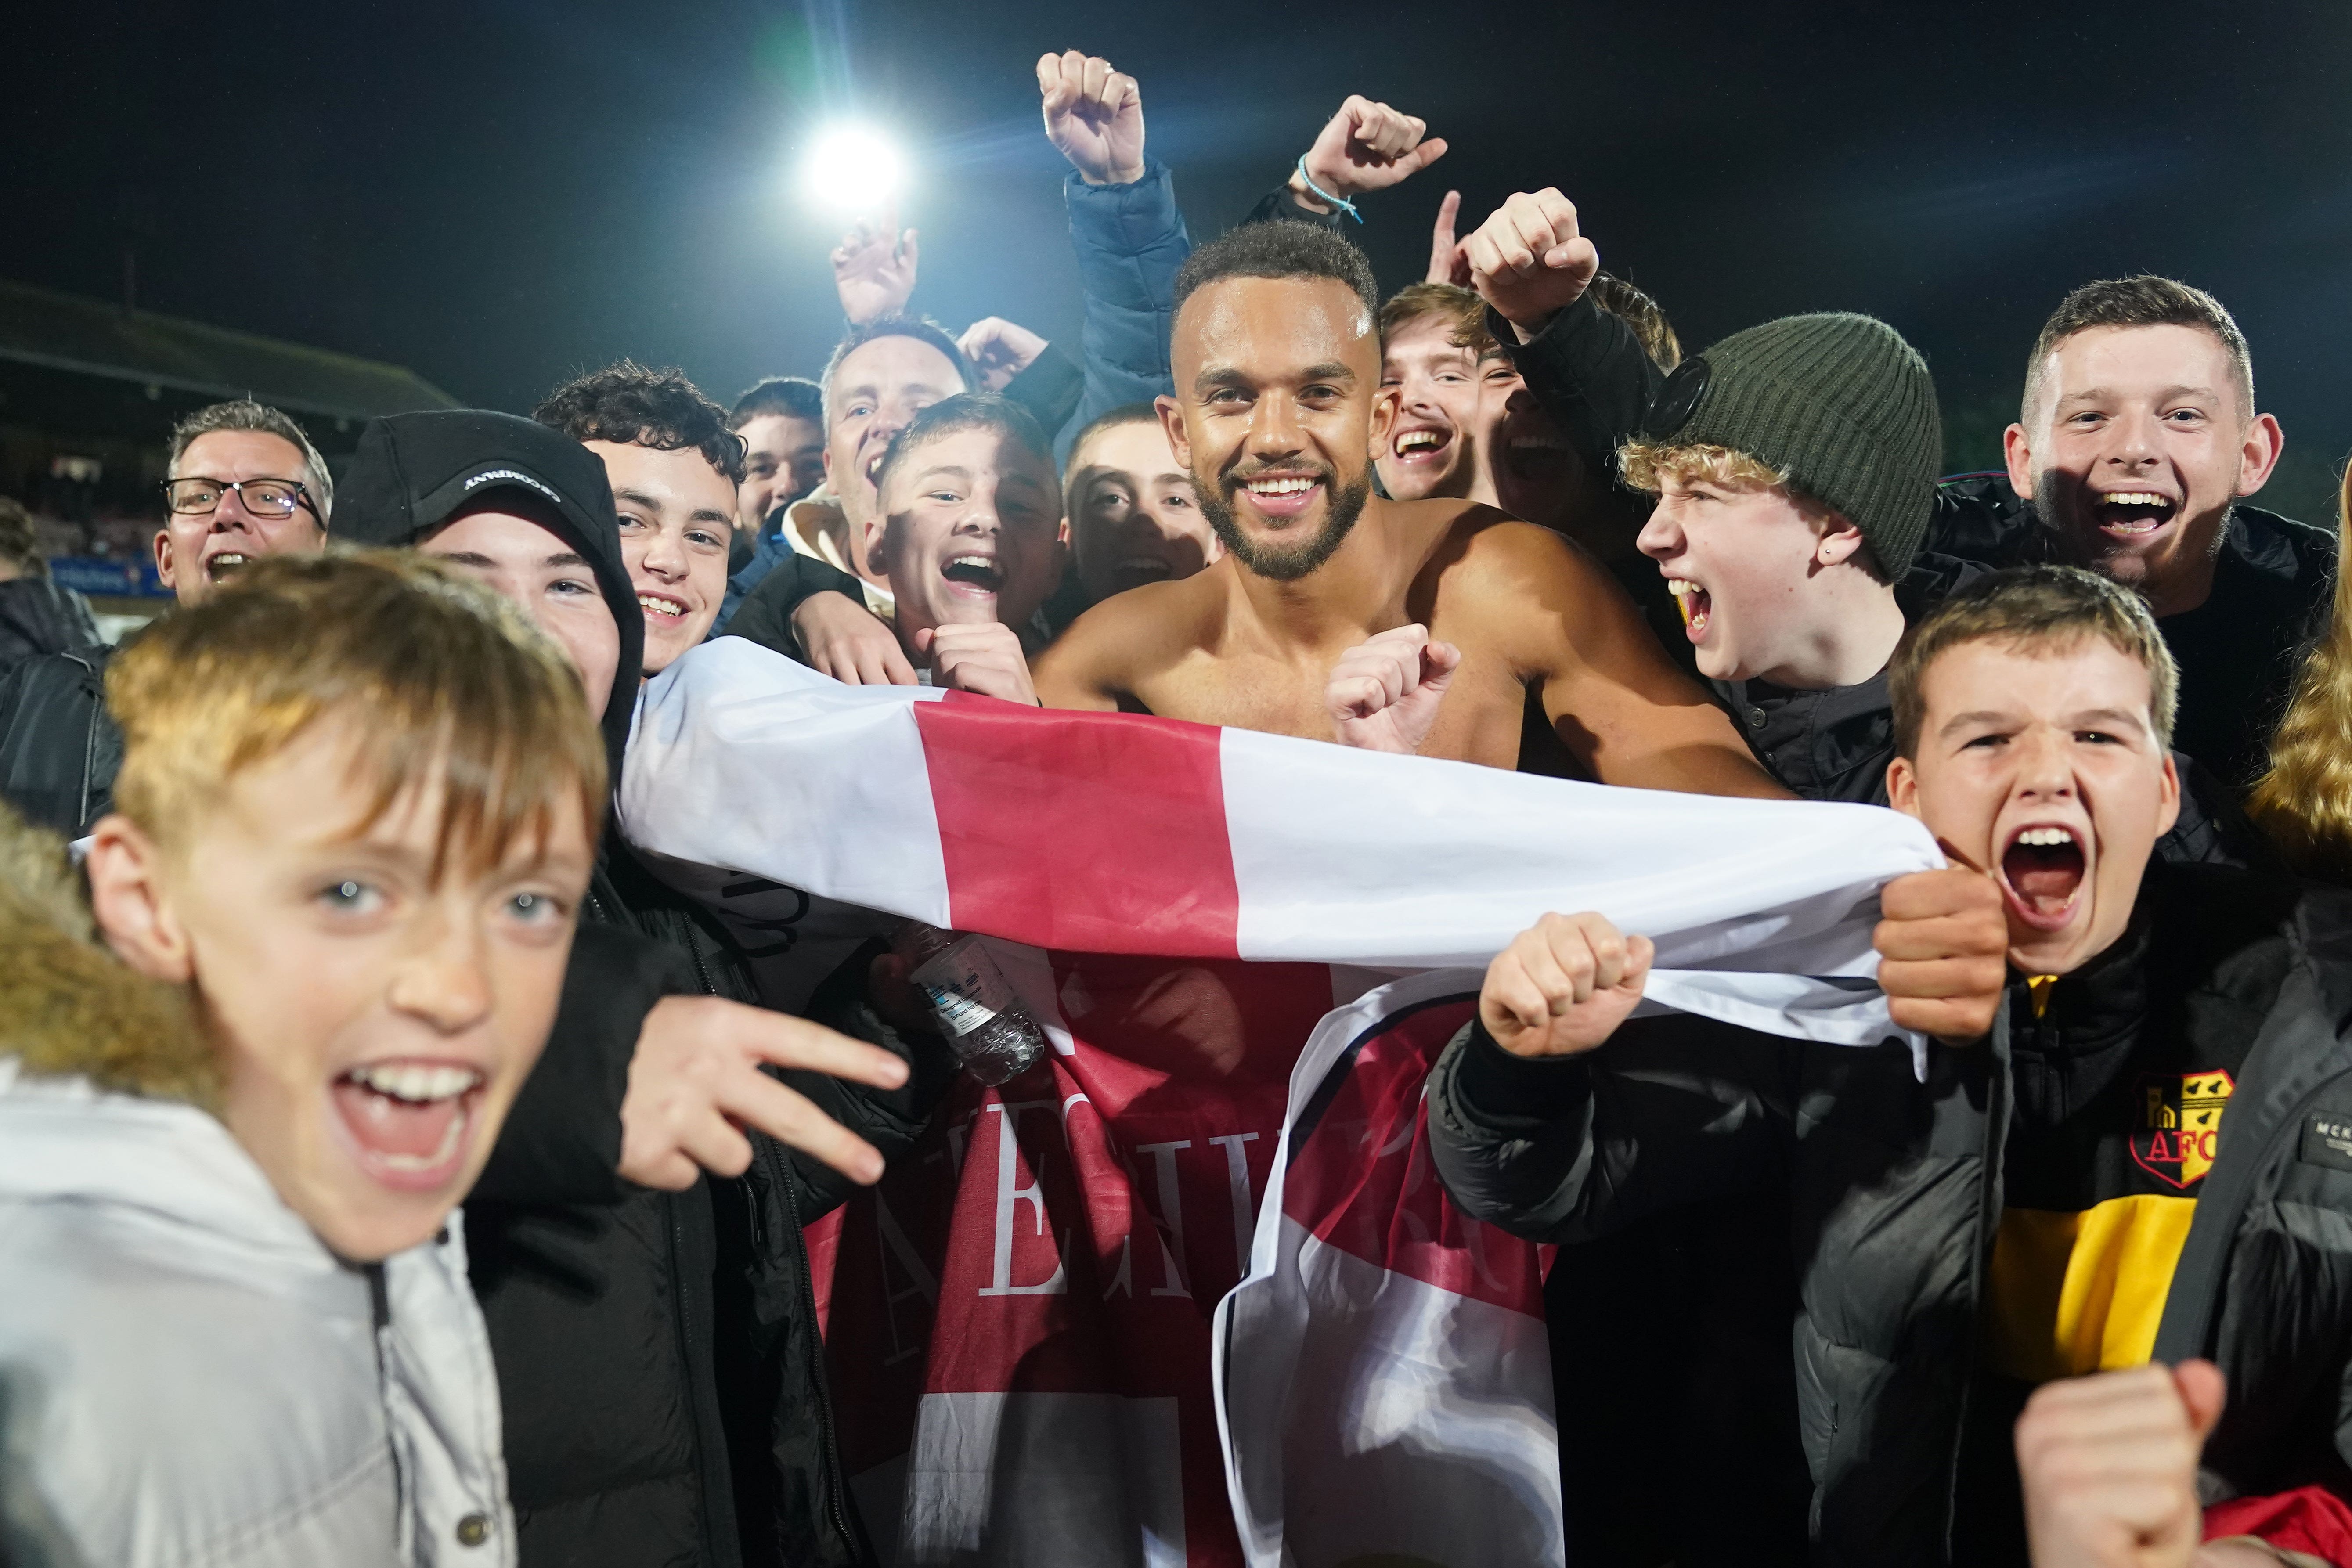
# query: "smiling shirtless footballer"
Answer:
x=1334 y=613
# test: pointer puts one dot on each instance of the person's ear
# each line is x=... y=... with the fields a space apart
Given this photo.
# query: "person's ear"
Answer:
x=1903 y=786
x=1386 y=403
x=1838 y=543
x=2258 y=457
x=2167 y=809
x=127 y=895
x=163 y=543
x=2019 y=459
x=1171 y=422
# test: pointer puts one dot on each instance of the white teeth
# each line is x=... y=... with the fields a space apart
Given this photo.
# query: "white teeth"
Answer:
x=2135 y=498
x=985 y=562
x=1280 y=487
x=2046 y=837
x=419 y=1083
x=670 y=607
x=1414 y=440
x=1681 y=587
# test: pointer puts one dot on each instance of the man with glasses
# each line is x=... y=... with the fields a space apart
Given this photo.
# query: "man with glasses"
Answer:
x=245 y=482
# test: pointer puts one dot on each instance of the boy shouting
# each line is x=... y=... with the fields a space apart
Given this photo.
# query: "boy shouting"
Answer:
x=340 y=891
x=2055 y=1200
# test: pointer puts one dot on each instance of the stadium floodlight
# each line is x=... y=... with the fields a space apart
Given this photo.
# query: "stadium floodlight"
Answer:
x=852 y=168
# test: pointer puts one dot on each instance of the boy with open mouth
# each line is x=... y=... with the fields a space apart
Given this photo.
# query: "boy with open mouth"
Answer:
x=340 y=893
x=971 y=541
x=2053 y=1200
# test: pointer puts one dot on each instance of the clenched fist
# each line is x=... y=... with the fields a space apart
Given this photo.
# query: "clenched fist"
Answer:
x=1094 y=117
x=985 y=656
x=2109 y=1468
x=1563 y=985
x=1383 y=694
x=1943 y=952
x=1367 y=146
x=1530 y=261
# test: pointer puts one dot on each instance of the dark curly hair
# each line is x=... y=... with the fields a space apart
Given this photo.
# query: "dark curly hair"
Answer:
x=626 y=402
x=1280 y=249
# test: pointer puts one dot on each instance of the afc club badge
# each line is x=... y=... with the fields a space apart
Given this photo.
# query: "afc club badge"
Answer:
x=2181 y=1125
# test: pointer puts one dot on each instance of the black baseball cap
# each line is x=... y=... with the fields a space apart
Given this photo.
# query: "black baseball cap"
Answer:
x=412 y=472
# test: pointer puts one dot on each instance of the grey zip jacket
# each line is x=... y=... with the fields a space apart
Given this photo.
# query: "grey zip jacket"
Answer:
x=192 y=1377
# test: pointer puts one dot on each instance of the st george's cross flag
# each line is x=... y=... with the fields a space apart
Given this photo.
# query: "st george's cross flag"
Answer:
x=1245 y=951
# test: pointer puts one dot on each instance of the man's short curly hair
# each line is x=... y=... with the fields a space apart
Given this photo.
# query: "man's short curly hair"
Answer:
x=1280 y=249
x=627 y=404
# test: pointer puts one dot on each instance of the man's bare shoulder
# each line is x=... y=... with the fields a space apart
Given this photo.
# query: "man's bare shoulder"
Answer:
x=1123 y=641
x=1483 y=551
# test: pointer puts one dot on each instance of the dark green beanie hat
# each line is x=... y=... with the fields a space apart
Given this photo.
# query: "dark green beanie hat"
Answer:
x=1839 y=402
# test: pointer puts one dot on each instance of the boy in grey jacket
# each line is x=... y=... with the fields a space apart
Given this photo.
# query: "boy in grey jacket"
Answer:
x=338 y=893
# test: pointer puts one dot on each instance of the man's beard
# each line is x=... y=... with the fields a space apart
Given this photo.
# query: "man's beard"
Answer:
x=2069 y=535
x=1287 y=563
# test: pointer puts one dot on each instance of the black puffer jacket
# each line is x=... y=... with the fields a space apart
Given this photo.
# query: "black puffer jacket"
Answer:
x=38 y=617
x=59 y=750
x=1899 y=1189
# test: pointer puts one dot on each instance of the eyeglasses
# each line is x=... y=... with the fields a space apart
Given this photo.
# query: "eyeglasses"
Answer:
x=262 y=497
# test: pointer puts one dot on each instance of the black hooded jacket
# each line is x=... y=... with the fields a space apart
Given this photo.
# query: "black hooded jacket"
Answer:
x=618 y=1314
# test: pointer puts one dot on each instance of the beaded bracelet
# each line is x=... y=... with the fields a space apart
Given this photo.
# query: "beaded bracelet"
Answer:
x=1341 y=203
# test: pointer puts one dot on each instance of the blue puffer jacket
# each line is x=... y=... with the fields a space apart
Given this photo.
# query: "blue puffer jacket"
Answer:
x=1129 y=241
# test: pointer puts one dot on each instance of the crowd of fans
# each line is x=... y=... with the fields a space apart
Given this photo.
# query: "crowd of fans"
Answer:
x=299 y=882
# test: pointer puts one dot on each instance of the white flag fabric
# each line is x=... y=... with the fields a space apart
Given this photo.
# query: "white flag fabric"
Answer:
x=1024 y=1360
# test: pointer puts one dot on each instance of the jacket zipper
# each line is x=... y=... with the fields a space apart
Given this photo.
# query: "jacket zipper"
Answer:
x=835 y=1505
x=2000 y=1089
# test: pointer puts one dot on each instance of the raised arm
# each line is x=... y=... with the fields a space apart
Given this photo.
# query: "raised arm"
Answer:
x=1128 y=236
x=1533 y=264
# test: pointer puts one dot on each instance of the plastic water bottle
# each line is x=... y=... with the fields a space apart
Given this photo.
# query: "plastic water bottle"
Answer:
x=983 y=1021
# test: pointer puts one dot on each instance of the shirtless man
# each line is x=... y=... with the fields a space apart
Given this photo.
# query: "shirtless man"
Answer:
x=1337 y=615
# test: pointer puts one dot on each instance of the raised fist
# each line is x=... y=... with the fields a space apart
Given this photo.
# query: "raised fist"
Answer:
x=1094 y=117
x=874 y=269
x=1563 y=985
x=1530 y=261
x=1000 y=350
x=2109 y=1468
x=1384 y=693
x=1366 y=146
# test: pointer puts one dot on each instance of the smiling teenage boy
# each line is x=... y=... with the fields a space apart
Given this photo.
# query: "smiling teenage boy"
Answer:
x=674 y=466
x=2144 y=1158
x=341 y=889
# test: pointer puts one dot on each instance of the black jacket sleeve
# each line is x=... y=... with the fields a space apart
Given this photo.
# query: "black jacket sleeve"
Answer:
x=765 y=615
x=1675 y=1109
x=890 y=1119
x=562 y=1141
x=1591 y=374
x=1049 y=386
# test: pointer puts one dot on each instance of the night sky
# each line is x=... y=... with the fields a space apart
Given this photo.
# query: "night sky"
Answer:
x=499 y=194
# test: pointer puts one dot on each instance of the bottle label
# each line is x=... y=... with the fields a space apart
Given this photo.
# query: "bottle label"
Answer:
x=964 y=986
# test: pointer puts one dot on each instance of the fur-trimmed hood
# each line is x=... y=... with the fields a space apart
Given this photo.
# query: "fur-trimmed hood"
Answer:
x=71 y=1009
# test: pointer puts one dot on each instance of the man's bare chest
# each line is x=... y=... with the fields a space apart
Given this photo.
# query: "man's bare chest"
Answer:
x=1478 y=720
